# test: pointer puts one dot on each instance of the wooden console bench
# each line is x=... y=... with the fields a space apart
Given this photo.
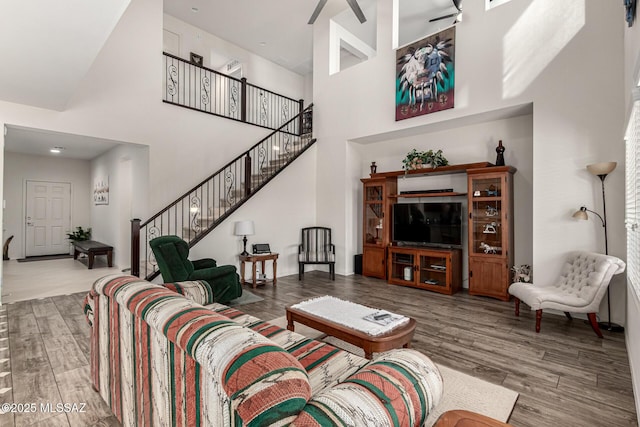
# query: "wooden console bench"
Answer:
x=92 y=248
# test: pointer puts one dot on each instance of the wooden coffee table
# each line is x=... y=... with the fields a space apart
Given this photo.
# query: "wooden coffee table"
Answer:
x=396 y=338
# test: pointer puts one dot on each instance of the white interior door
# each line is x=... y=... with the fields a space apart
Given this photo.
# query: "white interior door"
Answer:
x=48 y=218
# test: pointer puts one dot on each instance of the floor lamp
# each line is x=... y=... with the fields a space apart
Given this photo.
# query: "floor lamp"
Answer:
x=601 y=170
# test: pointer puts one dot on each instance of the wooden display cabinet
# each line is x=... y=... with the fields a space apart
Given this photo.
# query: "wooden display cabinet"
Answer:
x=376 y=231
x=490 y=231
x=437 y=270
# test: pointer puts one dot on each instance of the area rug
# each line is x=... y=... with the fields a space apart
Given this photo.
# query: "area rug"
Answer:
x=461 y=391
x=44 y=258
x=246 y=298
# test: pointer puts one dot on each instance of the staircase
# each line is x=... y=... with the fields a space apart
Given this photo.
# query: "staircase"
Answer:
x=197 y=212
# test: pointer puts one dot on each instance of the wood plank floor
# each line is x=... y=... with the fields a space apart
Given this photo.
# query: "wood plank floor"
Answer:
x=565 y=375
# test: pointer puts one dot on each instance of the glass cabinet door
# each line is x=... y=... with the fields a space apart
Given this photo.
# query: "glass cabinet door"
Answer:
x=402 y=266
x=433 y=270
x=374 y=214
x=486 y=216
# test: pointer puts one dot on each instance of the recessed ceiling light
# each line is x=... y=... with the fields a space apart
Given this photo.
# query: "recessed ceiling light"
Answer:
x=194 y=9
x=57 y=150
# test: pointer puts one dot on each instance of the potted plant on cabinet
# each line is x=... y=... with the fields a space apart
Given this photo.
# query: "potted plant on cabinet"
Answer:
x=419 y=159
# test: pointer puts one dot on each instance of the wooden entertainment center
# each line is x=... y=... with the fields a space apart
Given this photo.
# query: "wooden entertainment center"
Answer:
x=490 y=233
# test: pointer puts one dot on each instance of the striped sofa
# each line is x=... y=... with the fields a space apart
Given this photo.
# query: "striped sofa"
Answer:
x=160 y=357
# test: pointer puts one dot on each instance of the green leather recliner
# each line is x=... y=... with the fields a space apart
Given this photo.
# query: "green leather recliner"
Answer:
x=172 y=253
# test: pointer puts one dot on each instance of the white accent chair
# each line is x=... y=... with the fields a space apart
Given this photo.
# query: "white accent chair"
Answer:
x=581 y=286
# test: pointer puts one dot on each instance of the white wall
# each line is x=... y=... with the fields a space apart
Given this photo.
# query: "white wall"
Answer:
x=127 y=167
x=498 y=64
x=21 y=167
x=120 y=99
x=631 y=60
x=308 y=89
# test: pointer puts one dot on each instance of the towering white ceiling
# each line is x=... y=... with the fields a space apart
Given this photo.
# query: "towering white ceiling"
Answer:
x=278 y=29
x=47 y=47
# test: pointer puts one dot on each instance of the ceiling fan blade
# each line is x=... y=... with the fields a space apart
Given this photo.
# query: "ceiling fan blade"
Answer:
x=458 y=4
x=444 y=17
x=317 y=11
x=356 y=9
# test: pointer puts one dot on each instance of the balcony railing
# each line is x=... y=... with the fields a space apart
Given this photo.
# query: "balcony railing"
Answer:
x=203 y=89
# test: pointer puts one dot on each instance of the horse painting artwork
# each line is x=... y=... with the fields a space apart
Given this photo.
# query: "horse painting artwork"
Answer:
x=425 y=75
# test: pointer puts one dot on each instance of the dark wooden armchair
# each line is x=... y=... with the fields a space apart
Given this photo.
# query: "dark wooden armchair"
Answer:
x=316 y=248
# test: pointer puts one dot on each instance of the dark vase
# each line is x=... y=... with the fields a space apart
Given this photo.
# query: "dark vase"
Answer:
x=500 y=158
x=373 y=167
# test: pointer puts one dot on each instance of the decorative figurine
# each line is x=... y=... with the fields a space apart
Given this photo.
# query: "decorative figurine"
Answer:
x=5 y=249
x=373 y=167
x=476 y=193
x=500 y=158
x=521 y=273
x=492 y=191
x=630 y=11
x=488 y=249
x=490 y=228
x=491 y=211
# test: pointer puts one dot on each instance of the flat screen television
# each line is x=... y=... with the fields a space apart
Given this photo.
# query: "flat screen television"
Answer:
x=436 y=224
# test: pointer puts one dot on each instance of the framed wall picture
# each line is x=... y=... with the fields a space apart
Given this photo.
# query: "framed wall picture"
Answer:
x=196 y=59
x=425 y=72
x=101 y=191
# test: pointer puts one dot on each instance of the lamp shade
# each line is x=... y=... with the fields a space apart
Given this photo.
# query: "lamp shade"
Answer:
x=581 y=214
x=602 y=168
x=243 y=228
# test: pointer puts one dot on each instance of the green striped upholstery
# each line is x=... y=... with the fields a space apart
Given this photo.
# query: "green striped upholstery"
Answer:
x=399 y=388
x=158 y=358
x=199 y=291
x=161 y=359
x=325 y=364
x=406 y=378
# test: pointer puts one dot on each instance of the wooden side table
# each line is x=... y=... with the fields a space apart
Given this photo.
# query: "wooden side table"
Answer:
x=253 y=259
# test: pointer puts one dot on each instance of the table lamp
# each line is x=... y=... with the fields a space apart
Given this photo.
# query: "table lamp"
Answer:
x=244 y=228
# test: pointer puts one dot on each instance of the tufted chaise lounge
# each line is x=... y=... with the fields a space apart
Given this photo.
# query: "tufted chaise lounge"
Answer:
x=579 y=289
